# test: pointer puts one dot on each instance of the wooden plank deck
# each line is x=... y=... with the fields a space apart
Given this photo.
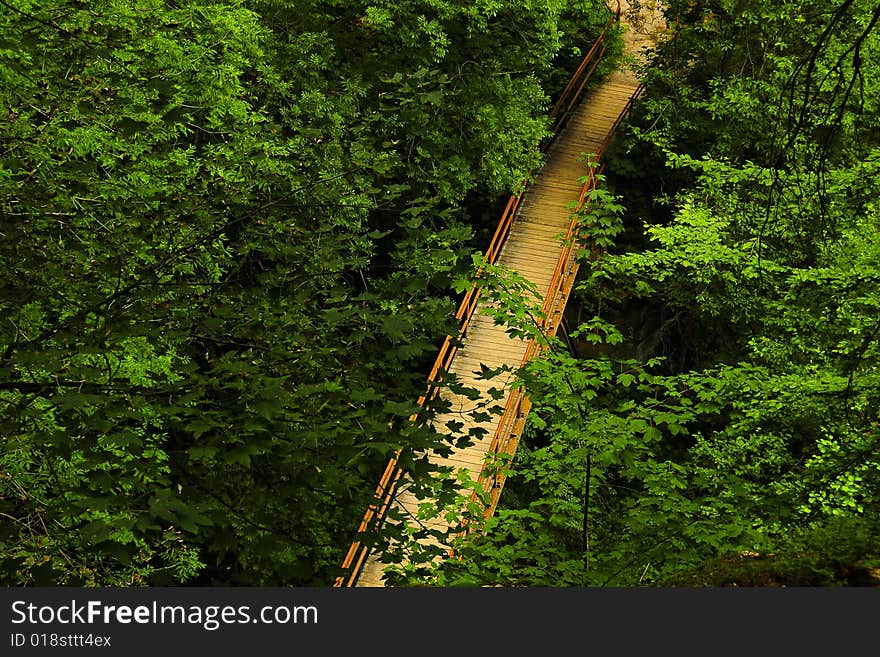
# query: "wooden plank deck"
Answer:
x=532 y=249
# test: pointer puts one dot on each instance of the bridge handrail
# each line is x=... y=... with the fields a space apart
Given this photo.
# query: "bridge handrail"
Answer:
x=357 y=552
x=506 y=437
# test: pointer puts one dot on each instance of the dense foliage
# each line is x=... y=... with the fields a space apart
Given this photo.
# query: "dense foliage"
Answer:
x=721 y=423
x=228 y=230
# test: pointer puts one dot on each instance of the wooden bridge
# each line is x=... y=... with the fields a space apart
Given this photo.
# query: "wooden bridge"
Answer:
x=536 y=237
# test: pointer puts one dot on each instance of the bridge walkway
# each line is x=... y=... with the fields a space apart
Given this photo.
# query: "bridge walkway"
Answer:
x=534 y=239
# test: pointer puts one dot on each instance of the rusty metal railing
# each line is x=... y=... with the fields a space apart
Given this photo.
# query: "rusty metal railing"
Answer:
x=358 y=551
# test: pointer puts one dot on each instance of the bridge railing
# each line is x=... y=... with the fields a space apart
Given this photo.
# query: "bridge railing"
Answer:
x=384 y=494
x=510 y=427
x=570 y=96
x=506 y=437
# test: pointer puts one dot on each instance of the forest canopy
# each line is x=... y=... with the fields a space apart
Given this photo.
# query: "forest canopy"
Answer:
x=231 y=233
x=720 y=423
x=228 y=231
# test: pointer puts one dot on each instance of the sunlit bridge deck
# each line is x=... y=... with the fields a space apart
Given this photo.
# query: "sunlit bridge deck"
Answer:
x=533 y=240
